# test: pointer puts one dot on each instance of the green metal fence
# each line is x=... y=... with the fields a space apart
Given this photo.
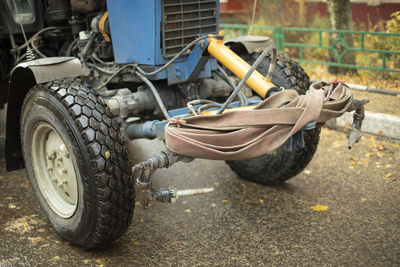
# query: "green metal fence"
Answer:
x=280 y=36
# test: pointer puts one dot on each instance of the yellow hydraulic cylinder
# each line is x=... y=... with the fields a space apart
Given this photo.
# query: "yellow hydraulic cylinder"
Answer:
x=239 y=67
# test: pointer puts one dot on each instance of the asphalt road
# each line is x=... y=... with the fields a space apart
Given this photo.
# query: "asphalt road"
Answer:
x=241 y=223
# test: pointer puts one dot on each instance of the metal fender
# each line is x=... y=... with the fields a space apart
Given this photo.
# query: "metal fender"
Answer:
x=248 y=44
x=23 y=77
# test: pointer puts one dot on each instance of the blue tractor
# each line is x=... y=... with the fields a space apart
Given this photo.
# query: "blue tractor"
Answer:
x=86 y=76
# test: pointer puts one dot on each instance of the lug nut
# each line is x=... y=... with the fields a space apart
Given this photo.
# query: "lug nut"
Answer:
x=51 y=156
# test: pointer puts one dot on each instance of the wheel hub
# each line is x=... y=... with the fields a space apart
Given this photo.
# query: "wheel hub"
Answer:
x=54 y=170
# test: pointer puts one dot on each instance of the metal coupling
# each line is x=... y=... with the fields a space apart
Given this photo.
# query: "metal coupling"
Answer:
x=354 y=134
x=142 y=173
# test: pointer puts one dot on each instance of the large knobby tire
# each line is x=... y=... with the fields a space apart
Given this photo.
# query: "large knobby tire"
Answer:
x=281 y=165
x=77 y=163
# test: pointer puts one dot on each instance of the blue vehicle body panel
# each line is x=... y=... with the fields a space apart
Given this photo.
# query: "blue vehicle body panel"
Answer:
x=136 y=37
x=133 y=30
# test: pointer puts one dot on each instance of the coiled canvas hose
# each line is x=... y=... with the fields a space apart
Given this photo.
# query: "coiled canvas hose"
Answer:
x=244 y=134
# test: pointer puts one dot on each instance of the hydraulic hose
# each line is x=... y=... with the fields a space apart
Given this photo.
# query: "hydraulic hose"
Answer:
x=247 y=76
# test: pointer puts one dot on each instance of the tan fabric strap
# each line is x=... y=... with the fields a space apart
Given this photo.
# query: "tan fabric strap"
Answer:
x=244 y=134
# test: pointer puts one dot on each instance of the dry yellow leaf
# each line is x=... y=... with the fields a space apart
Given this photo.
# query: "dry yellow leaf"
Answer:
x=184 y=202
x=37 y=239
x=136 y=242
x=319 y=208
x=225 y=201
x=363 y=199
x=388 y=174
x=188 y=210
x=368 y=154
x=41 y=230
x=353 y=162
x=261 y=201
x=55 y=258
x=99 y=260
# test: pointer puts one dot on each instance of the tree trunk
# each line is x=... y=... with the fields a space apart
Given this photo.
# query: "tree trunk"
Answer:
x=340 y=18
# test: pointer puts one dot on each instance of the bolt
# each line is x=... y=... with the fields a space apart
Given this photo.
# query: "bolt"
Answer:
x=51 y=156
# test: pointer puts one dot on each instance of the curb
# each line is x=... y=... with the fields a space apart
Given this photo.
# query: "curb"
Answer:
x=374 y=123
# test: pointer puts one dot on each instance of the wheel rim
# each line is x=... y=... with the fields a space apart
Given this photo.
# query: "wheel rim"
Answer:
x=54 y=170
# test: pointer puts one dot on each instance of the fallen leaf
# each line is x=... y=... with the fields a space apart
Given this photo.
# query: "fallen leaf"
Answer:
x=55 y=258
x=216 y=183
x=225 y=201
x=368 y=155
x=319 y=208
x=363 y=199
x=37 y=239
x=381 y=147
x=11 y=206
x=261 y=201
x=184 y=202
x=388 y=174
x=99 y=260
x=307 y=172
x=213 y=205
x=44 y=245
x=188 y=210
x=136 y=242
x=41 y=230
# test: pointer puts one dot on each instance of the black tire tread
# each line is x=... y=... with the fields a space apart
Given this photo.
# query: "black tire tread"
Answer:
x=275 y=168
x=111 y=167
